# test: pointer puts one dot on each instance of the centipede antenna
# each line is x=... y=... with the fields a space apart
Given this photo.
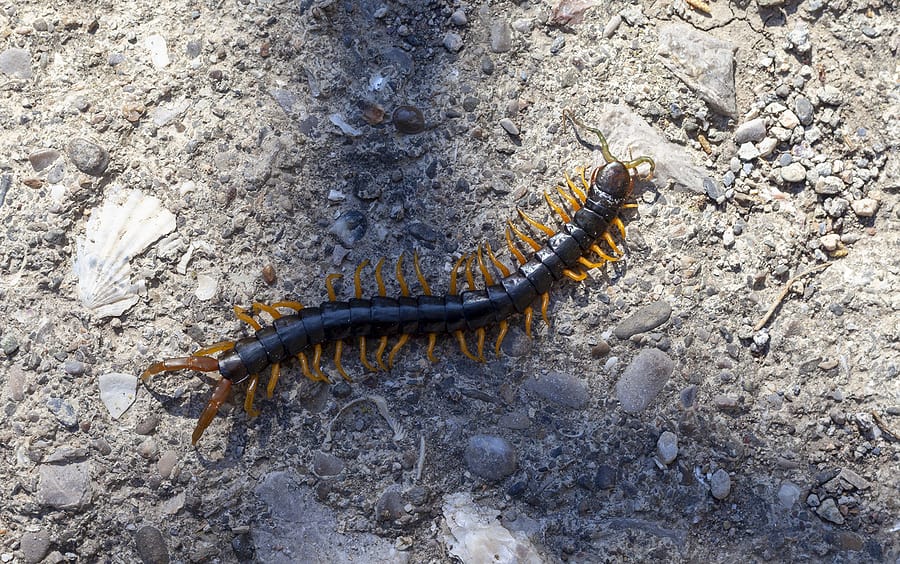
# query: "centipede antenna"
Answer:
x=604 y=146
x=545 y=304
x=329 y=285
x=250 y=394
x=382 y=290
x=512 y=248
x=557 y=208
x=499 y=265
x=633 y=164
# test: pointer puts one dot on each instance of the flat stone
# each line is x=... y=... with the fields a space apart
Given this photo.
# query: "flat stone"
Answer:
x=151 y=546
x=66 y=486
x=794 y=172
x=453 y=42
x=829 y=186
x=564 y=389
x=510 y=127
x=501 y=36
x=16 y=383
x=166 y=464
x=65 y=412
x=829 y=511
x=830 y=95
x=788 y=495
x=720 y=484
x=645 y=319
x=490 y=457
x=748 y=152
x=42 y=158
x=864 y=207
x=767 y=146
x=16 y=63
x=750 y=131
x=606 y=477
x=326 y=465
x=703 y=62
x=667 y=447
x=643 y=379
x=788 y=119
x=35 y=545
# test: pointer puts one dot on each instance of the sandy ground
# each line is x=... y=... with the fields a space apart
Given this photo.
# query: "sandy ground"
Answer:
x=267 y=144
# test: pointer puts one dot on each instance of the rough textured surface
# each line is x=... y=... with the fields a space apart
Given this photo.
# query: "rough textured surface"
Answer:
x=643 y=379
x=266 y=128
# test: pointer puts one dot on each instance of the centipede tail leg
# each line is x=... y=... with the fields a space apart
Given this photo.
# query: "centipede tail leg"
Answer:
x=198 y=363
x=219 y=396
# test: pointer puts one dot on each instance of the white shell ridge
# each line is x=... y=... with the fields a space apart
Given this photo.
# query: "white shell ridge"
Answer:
x=127 y=223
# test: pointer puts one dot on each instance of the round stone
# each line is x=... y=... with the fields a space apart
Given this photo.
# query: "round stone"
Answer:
x=490 y=457
x=667 y=447
x=720 y=484
x=793 y=172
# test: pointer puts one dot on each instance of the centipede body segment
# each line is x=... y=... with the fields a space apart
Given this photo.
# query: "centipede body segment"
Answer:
x=592 y=214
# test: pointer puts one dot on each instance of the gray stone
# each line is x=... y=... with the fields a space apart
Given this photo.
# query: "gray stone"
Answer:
x=829 y=511
x=829 y=186
x=788 y=495
x=64 y=411
x=42 y=158
x=667 y=447
x=645 y=319
x=704 y=63
x=66 y=486
x=605 y=478
x=720 y=484
x=508 y=125
x=748 y=152
x=16 y=383
x=16 y=63
x=794 y=172
x=564 y=389
x=501 y=36
x=35 y=545
x=166 y=463
x=147 y=425
x=88 y=157
x=643 y=379
x=830 y=95
x=804 y=110
x=490 y=457
x=349 y=227
x=750 y=131
x=326 y=465
x=458 y=18
x=453 y=42
x=767 y=146
x=389 y=506
x=151 y=546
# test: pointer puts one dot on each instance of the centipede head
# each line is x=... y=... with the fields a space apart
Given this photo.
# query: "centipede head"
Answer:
x=613 y=180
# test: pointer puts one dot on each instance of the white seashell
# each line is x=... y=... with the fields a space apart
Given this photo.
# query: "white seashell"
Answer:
x=117 y=392
x=206 y=287
x=127 y=223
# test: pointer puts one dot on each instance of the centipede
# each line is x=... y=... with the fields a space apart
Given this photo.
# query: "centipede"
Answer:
x=588 y=215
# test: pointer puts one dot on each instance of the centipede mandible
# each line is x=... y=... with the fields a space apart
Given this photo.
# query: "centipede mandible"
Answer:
x=589 y=223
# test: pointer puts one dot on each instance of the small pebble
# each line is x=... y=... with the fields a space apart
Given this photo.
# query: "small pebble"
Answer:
x=151 y=546
x=326 y=465
x=490 y=457
x=501 y=36
x=804 y=110
x=611 y=26
x=563 y=389
x=788 y=495
x=830 y=242
x=645 y=319
x=720 y=484
x=350 y=227
x=268 y=274
x=458 y=18
x=605 y=478
x=453 y=42
x=16 y=63
x=35 y=545
x=64 y=411
x=829 y=511
x=42 y=159
x=748 y=152
x=166 y=463
x=767 y=146
x=147 y=425
x=389 y=506
x=865 y=207
x=667 y=447
x=643 y=379
x=830 y=95
x=750 y=132
x=508 y=125
x=148 y=449
x=88 y=157
x=794 y=172
x=408 y=119
x=829 y=185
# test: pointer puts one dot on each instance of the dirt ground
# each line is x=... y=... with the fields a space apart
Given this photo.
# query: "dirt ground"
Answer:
x=272 y=143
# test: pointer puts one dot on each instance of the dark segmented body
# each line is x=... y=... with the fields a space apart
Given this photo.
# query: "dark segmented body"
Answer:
x=382 y=316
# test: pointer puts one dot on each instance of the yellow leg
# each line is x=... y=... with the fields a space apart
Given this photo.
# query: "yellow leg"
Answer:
x=316 y=362
x=357 y=283
x=362 y=355
x=536 y=224
x=404 y=288
x=462 y=345
x=470 y=277
x=294 y=305
x=499 y=265
x=251 y=392
x=577 y=276
x=329 y=285
x=584 y=182
x=573 y=202
x=480 y=334
x=529 y=314
x=432 y=341
x=242 y=314
x=273 y=380
x=612 y=244
x=557 y=208
x=504 y=327
x=403 y=340
x=426 y=289
x=382 y=290
x=575 y=189
x=545 y=303
x=221 y=346
x=338 y=350
x=620 y=226
x=304 y=366
x=513 y=249
x=599 y=252
x=590 y=264
x=379 y=352
x=531 y=242
x=485 y=273
x=258 y=307
x=454 y=274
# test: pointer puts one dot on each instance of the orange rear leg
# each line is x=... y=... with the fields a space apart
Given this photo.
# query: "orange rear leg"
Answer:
x=219 y=396
x=198 y=363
